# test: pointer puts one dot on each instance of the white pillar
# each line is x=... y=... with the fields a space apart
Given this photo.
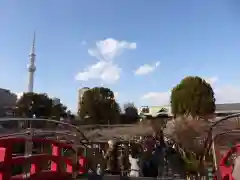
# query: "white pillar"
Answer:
x=31 y=66
x=30 y=82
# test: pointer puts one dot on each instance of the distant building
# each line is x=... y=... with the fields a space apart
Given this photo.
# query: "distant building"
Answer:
x=221 y=109
x=155 y=110
x=227 y=109
x=80 y=95
x=7 y=103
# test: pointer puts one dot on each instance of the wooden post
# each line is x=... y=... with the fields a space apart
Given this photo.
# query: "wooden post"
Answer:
x=28 y=151
x=74 y=168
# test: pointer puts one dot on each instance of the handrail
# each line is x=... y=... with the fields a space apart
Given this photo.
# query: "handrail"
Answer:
x=40 y=140
x=209 y=135
x=221 y=134
x=225 y=118
x=43 y=132
x=46 y=120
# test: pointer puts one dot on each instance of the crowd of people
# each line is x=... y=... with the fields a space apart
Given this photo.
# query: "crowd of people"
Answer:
x=146 y=159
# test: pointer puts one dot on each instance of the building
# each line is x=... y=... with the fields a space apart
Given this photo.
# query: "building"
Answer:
x=7 y=103
x=227 y=109
x=80 y=95
x=221 y=109
x=155 y=110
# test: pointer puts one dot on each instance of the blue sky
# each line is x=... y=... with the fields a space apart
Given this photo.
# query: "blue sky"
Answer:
x=91 y=42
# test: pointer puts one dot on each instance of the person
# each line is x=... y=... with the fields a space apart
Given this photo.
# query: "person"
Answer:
x=134 y=160
x=160 y=152
x=147 y=162
x=98 y=169
x=124 y=161
x=111 y=157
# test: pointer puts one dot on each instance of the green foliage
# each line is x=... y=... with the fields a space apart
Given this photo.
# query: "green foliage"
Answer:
x=194 y=96
x=39 y=105
x=191 y=165
x=130 y=110
x=98 y=106
x=58 y=111
x=130 y=114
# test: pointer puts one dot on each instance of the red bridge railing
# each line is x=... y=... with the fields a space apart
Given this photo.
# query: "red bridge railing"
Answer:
x=227 y=162
x=36 y=172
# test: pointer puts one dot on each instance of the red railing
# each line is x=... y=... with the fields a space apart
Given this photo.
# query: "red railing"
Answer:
x=225 y=168
x=7 y=161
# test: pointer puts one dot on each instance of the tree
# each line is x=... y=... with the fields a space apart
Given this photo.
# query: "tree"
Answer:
x=130 y=114
x=40 y=106
x=34 y=104
x=98 y=106
x=58 y=111
x=194 y=96
x=190 y=133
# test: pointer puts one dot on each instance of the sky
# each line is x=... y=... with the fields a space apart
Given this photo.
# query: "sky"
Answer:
x=139 y=49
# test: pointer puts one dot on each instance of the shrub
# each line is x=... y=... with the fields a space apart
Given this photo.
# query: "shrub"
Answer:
x=193 y=95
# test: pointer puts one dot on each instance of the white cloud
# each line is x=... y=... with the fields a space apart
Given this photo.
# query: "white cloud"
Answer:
x=109 y=48
x=157 y=98
x=105 y=69
x=212 y=80
x=223 y=94
x=146 y=69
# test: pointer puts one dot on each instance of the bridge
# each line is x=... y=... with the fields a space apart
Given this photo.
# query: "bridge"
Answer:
x=86 y=131
x=59 y=137
x=223 y=143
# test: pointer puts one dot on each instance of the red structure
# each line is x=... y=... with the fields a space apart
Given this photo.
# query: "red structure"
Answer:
x=223 y=164
x=226 y=164
x=56 y=171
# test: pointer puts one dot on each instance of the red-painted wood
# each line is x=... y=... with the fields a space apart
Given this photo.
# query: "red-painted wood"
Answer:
x=36 y=173
x=56 y=151
x=83 y=165
x=225 y=169
x=2 y=158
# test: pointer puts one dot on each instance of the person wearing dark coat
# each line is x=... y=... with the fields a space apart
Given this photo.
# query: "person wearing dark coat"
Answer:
x=148 y=164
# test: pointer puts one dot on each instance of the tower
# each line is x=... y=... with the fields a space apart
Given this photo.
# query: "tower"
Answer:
x=31 y=66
